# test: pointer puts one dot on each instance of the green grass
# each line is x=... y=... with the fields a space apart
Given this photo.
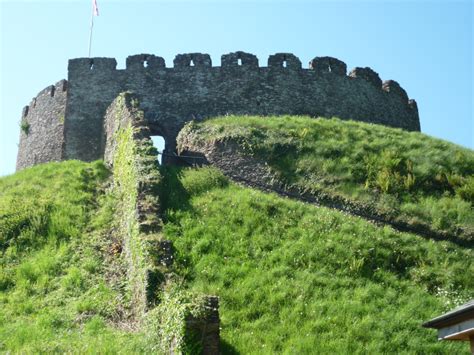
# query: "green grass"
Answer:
x=57 y=292
x=407 y=176
x=291 y=277
x=296 y=279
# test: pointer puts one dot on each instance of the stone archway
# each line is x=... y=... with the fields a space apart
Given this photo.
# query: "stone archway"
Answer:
x=168 y=150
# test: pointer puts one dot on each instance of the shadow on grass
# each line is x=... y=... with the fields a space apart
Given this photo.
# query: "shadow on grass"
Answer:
x=173 y=195
x=228 y=349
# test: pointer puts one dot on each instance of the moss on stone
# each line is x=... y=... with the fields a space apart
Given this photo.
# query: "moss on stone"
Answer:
x=135 y=178
x=25 y=126
x=167 y=310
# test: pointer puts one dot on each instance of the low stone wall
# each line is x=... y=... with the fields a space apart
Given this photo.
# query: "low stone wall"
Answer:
x=132 y=159
x=184 y=323
x=173 y=320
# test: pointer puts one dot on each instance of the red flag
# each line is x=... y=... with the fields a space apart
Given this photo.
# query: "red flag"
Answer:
x=95 y=9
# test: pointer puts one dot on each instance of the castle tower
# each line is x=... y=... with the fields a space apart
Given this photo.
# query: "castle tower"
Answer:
x=65 y=121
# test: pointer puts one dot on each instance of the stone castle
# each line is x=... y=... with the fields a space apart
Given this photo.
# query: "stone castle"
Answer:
x=66 y=121
x=104 y=113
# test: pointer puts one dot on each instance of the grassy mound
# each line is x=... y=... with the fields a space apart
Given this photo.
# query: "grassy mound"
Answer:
x=55 y=295
x=407 y=176
x=293 y=278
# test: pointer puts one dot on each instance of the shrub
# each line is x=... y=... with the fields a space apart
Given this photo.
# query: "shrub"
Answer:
x=25 y=126
x=466 y=189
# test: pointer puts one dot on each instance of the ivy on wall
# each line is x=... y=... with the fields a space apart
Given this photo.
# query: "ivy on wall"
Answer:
x=174 y=319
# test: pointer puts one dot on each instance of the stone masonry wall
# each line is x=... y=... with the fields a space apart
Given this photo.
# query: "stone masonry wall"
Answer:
x=194 y=90
x=42 y=122
x=132 y=158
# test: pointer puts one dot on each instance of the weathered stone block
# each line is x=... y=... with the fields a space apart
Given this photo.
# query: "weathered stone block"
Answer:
x=144 y=61
x=367 y=74
x=198 y=60
x=239 y=59
x=284 y=60
x=328 y=65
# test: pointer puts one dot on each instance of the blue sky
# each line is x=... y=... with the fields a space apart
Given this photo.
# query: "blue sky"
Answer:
x=424 y=45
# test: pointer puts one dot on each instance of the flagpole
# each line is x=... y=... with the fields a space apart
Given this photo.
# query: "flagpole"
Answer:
x=90 y=33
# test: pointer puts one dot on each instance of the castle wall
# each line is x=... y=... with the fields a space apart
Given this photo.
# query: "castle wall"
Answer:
x=193 y=89
x=42 y=125
x=130 y=154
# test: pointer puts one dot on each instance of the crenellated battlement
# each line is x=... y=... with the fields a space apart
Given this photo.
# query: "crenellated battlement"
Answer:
x=194 y=89
x=92 y=64
x=59 y=88
x=142 y=61
x=332 y=65
x=150 y=63
x=366 y=74
x=284 y=61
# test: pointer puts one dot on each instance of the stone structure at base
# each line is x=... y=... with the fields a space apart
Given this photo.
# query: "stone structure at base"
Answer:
x=65 y=121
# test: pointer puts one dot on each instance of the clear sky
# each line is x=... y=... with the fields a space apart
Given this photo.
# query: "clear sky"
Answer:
x=424 y=45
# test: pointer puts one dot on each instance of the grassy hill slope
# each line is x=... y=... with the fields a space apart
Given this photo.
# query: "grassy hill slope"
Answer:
x=56 y=292
x=291 y=277
x=295 y=278
x=404 y=176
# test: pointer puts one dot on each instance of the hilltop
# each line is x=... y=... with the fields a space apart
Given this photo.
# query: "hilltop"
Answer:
x=406 y=179
x=85 y=257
